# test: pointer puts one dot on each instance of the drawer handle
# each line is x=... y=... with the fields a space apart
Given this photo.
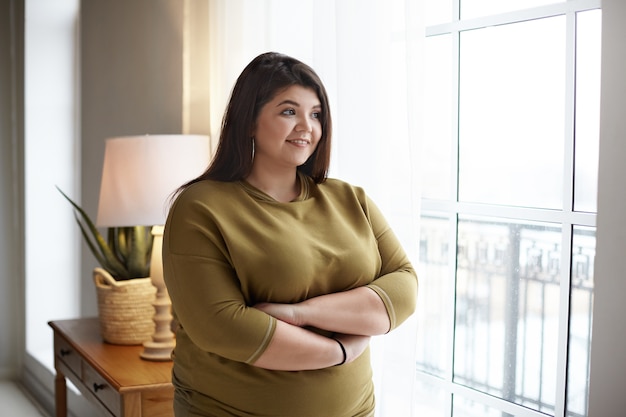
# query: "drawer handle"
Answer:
x=98 y=387
x=65 y=352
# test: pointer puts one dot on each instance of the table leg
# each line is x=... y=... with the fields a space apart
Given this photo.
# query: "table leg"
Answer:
x=60 y=395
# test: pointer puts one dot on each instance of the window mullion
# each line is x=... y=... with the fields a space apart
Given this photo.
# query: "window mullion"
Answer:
x=568 y=203
x=564 y=311
x=454 y=180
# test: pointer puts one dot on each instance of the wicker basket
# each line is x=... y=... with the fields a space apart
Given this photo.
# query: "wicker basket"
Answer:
x=125 y=308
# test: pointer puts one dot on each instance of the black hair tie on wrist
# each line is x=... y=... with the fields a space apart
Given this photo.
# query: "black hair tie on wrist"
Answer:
x=343 y=350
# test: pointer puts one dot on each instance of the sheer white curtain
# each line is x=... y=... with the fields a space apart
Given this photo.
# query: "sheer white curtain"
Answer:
x=367 y=53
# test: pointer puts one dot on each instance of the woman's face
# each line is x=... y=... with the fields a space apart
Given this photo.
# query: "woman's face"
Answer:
x=288 y=129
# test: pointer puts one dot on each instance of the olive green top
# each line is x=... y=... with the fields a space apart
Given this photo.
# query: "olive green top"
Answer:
x=228 y=246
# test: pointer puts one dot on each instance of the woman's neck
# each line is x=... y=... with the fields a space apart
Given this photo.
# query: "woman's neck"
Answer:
x=283 y=187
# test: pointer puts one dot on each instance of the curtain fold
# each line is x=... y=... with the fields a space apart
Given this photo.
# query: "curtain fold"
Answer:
x=368 y=54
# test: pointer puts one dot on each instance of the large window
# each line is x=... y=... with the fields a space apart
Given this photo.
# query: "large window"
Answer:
x=50 y=150
x=508 y=210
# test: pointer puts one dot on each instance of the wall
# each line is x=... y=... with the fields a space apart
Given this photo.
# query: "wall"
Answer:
x=11 y=180
x=137 y=78
x=608 y=354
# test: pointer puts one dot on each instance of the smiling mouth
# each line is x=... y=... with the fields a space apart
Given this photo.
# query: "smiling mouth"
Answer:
x=299 y=141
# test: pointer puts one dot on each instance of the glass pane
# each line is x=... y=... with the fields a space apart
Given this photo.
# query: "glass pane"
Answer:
x=398 y=14
x=512 y=101
x=507 y=310
x=581 y=305
x=588 y=39
x=464 y=407
x=478 y=8
x=437 y=156
x=430 y=401
x=437 y=11
x=435 y=307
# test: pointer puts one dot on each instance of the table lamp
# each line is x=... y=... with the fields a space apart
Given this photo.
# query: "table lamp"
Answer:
x=139 y=175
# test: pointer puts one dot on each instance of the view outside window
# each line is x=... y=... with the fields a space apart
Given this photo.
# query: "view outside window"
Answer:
x=587 y=125
x=507 y=309
x=508 y=208
x=511 y=115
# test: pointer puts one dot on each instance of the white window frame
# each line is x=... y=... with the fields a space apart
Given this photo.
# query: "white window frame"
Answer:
x=566 y=217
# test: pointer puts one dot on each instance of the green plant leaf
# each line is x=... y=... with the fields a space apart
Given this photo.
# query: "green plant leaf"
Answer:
x=116 y=254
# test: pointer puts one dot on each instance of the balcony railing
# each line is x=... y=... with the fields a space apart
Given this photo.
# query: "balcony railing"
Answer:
x=507 y=288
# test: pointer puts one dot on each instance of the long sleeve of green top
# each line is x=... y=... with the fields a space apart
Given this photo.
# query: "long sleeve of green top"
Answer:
x=228 y=246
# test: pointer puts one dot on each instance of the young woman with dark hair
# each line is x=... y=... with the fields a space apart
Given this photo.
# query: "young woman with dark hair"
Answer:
x=279 y=275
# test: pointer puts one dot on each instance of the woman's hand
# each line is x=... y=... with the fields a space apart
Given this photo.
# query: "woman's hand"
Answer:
x=358 y=311
x=283 y=312
x=294 y=348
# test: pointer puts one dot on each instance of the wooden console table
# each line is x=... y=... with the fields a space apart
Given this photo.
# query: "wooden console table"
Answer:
x=113 y=377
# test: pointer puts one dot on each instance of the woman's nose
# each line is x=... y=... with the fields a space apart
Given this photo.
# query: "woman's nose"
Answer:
x=304 y=125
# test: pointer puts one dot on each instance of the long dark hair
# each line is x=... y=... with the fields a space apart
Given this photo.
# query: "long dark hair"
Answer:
x=263 y=78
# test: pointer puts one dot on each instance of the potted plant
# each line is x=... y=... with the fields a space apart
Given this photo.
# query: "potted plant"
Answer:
x=124 y=288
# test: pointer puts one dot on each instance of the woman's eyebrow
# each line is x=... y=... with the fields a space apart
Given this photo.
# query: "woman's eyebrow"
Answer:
x=290 y=102
x=296 y=104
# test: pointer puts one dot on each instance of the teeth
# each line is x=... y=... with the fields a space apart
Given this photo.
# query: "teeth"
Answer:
x=299 y=141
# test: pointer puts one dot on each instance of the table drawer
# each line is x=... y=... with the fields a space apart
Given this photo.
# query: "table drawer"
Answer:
x=101 y=389
x=67 y=354
x=113 y=378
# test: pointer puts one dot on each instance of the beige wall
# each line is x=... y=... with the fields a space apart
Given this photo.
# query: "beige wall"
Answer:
x=135 y=80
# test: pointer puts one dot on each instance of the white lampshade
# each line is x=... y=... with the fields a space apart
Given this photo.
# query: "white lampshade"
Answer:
x=140 y=173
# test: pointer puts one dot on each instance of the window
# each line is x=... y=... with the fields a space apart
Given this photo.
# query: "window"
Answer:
x=508 y=207
x=50 y=148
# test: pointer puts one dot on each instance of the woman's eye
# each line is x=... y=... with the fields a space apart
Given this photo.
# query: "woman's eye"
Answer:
x=289 y=112
x=316 y=115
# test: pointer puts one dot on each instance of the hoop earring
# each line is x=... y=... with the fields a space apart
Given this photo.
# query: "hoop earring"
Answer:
x=252 y=138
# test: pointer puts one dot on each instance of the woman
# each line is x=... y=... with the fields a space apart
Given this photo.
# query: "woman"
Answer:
x=279 y=276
